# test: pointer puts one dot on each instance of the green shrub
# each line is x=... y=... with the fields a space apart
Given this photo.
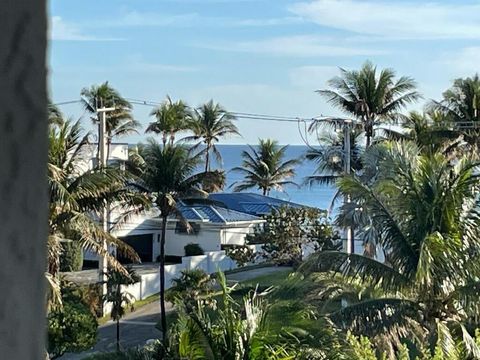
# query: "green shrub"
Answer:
x=71 y=258
x=71 y=328
x=241 y=254
x=190 y=286
x=193 y=250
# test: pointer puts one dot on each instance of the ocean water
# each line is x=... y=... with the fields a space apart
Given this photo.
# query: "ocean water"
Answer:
x=317 y=195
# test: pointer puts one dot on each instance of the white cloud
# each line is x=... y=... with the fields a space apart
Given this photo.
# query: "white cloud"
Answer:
x=408 y=20
x=463 y=62
x=299 y=45
x=61 y=30
x=312 y=77
x=135 y=18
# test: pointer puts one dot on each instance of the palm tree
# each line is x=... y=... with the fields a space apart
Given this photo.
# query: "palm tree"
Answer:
x=370 y=97
x=117 y=296
x=461 y=105
x=235 y=331
x=264 y=167
x=432 y=131
x=424 y=211
x=77 y=197
x=209 y=123
x=169 y=174
x=171 y=117
x=119 y=122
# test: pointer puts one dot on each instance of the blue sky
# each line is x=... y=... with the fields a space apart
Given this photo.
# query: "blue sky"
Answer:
x=260 y=56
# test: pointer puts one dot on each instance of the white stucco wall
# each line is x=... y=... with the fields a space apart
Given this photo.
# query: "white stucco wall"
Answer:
x=208 y=238
x=235 y=235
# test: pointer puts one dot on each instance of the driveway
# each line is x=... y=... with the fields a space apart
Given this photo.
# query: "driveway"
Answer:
x=138 y=327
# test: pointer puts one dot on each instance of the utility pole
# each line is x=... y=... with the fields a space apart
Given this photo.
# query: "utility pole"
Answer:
x=349 y=236
x=102 y=161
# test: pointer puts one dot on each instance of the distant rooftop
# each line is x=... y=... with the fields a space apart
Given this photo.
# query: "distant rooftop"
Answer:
x=250 y=203
x=214 y=214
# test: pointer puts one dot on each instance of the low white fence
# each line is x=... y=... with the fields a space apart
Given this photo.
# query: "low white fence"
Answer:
x=211 y=262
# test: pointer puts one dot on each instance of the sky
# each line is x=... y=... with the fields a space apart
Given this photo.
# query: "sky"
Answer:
x=256 y=56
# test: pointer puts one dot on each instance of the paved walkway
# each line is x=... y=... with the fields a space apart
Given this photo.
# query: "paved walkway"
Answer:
x=138 y=327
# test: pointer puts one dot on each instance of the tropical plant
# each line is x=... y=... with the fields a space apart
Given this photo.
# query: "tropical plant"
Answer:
x=117 y=296
x=170 y=118
x=241 y=254
x=288 y=232
x=209 y=123
x=77 y=197
x=191 y=286
x=264 y=168
x=119 y=122
x=71 y=327
x=71 y=258
x=169 y=175
x=423 y=211
x=235 y=331
x=330 y=156
x=461 y=106
x=372 y=98
x=193 y=249
x=432 y=131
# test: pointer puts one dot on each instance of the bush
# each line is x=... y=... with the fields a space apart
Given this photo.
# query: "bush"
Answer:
x=190 y=286
x=71 y=328
x=241 y=254
x=71 y=258
x=193 y=250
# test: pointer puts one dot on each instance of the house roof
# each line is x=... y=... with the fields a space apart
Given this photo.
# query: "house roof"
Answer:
x=214 y=214
x=250 y=203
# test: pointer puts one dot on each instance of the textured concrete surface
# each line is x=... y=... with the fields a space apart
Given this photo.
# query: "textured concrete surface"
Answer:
x=23 y=183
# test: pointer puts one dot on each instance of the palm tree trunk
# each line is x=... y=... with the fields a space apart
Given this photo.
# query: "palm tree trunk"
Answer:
x=265 y=192
x=207 y=158
x=118 y=335
x=163 y=316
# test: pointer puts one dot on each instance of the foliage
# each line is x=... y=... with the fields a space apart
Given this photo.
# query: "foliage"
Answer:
x=119 y=122
x=233 y=332
x=372 y=97
x=423 y=211
x=264 y=168
x=77 y=197
x=461 y=104
x=241 y=254
x=168 y=174
x=193 y=250
x=190 y=287
x=71 y=258
x=170 y=118
x=209 y=123
x=361 y=348
x=117 y=296
x=287 y=230
x=330 y=155
x=71 y=327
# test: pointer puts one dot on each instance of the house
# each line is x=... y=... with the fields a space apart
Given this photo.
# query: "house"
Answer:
x=211 y=227
x=250 y=203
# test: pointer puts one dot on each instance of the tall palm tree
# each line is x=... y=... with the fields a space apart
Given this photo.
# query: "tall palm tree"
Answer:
x=119 y=122
x=209 y=123
x=432 y=131
x=461 y=105
x=424 y=209
x=369 y=96
x=169 y=174
x=171 y=117
x=77 y=197
x=264 y=167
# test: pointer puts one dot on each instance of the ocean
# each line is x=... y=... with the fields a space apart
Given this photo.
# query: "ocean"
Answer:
x=316 y=196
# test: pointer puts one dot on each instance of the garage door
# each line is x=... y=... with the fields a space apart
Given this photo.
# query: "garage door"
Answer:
x=142 y=244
